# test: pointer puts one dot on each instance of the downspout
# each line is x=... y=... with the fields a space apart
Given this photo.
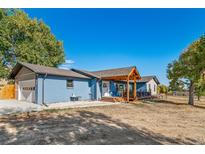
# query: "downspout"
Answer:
x=95 y=88
x=36 y=89
x=43 y=91
x=101 y=87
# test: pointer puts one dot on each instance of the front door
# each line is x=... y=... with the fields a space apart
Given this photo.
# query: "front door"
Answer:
x=120 y=89
x=105 y=88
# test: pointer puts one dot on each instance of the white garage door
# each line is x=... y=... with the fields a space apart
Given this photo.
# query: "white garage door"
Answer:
x=27 y=91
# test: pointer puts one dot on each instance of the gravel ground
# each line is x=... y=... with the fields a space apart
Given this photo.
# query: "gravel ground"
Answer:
x=143 y=123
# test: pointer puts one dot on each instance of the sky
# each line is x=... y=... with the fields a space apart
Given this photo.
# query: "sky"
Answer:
x=96 y=39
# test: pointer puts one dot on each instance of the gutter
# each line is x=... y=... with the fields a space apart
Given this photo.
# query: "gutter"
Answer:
x=43 y=91
x=36 y=88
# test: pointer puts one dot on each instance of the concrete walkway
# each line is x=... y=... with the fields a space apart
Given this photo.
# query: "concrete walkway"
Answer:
x=78 y=104
x=14 y=106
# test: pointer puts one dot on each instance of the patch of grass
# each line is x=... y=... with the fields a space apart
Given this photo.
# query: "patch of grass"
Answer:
x=57 y=110
x=148 y=101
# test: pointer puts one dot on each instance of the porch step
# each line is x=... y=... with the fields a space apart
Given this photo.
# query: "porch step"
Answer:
x=114 y=99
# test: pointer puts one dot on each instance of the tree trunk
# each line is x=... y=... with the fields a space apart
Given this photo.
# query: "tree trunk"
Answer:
x=191 y=93
x=198 y=97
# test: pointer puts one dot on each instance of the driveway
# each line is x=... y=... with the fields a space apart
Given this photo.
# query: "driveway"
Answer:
x=14 y=106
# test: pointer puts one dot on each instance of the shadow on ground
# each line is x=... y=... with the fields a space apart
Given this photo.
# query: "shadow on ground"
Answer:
x=81 y=127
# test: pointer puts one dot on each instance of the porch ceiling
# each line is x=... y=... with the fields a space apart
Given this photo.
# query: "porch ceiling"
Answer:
x=121 y=78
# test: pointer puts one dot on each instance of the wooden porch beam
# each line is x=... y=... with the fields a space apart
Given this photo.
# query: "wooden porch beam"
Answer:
x=115 y=78
x=135 y=88
x=128 y=89
x=132 y=71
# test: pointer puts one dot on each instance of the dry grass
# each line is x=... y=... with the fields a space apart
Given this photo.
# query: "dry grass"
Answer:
x=155 y=123
x=184 y=100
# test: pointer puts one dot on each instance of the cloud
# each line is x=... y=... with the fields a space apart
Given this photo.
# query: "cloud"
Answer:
x=67 y=65
x=69 y=61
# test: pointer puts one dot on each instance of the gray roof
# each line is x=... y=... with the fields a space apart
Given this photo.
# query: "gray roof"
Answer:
x=39 y=69
x=148 y=78
x=114 y=72
x=87 y=73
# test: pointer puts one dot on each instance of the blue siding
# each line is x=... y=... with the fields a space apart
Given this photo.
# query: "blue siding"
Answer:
x=93 y=85
x=55 y=89
x=141 y=87
x=113 y=89
x=96 y=89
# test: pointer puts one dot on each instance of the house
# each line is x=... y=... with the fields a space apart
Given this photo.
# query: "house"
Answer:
x=115 y=84
x=43 y=85
x=148 y=84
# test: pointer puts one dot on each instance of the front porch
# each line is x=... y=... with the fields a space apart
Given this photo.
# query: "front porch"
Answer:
x=117 y=99
x=120 y=88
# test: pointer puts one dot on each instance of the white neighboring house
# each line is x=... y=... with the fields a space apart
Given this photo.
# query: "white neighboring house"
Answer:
x=148 y=84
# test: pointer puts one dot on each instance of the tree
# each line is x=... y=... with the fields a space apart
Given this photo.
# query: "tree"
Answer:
x=188 y=68
x=26 y=40
x=162 y=89
x=178 y=85
x=200 y=88
x=3 y=71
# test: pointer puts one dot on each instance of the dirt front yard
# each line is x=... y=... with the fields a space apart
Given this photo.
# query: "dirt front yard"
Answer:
x=144 y=123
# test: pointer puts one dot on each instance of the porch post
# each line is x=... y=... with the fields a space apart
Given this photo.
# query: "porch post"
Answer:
x=128 y=89
x=135 y=88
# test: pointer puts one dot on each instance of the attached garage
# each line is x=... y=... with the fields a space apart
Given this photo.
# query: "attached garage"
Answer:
x=26 y=90
x=44 y=85
x=25 y=84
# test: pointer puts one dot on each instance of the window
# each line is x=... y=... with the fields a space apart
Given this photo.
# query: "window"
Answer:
x=29 y=88
x=121 y=87
x=104 y=85
x=69 y=83
x=149 y=87
x=154 y=88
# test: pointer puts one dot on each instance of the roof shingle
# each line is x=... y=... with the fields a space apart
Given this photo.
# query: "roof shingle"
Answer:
x=87 y=73
x=114 y=72
x=39 y=69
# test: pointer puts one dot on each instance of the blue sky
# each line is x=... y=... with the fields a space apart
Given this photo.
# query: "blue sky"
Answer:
x=97 y=39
